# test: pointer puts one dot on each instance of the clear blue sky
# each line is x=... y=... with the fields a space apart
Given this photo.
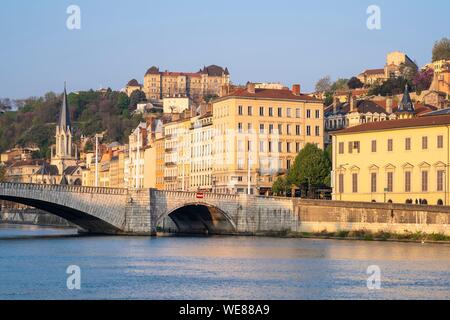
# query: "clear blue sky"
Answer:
x=288 y=41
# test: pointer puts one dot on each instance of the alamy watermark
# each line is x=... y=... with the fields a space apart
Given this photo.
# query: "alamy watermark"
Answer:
x=374 y=280
x=374 y=19
x=74 y=278
x=73 y=21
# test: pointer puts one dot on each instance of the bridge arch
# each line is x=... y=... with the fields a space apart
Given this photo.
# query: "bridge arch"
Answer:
x=81 y=219
x=199 y=218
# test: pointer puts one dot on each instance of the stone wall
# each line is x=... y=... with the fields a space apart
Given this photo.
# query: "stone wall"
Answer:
x=332 y=216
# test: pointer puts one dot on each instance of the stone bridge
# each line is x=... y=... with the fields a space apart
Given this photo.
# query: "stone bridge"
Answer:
x=141 y=212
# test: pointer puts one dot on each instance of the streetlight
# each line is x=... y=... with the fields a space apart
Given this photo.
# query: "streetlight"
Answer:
x=97 y=136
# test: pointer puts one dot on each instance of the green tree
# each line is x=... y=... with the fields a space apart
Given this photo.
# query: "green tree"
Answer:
x=312 y=167
x=441 y=50
x=355 y=83
x=136 y=97
x=339 y=84
x=281 y=186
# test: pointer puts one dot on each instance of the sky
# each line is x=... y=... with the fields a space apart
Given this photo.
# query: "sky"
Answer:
x=287 y=41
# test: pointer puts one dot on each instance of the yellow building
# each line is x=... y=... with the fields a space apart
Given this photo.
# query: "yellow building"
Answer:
x=257 y=135
x=132 y=86
x=400 y=161
x=159 y=145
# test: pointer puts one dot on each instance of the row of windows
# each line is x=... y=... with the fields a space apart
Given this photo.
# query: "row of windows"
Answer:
x=407 y=182
x=269 y=146
x=279 y=112
x=355 y=146
x=271 y=129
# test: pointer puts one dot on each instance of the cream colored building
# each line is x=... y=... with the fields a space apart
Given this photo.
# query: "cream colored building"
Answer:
x=201 y=157
x=177 y=155
x=400 y=161
x=176 y=104
x=257 y=135
x=135 y=161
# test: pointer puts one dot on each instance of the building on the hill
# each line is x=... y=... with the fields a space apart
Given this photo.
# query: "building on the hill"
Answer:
x=339 y=115
x=395 y=63
x=399 y=161
x=206 y=82
x=132 y=86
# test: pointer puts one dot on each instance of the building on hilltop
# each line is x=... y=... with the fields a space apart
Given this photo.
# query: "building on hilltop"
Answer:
x=354 y=112
x=206 y=82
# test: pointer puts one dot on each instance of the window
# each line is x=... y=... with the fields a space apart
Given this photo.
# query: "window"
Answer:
x=390 y=182
x=354 y=145
x=288 y=164
x=261 y=128
x=308 y=113
x=424 y=181
x=440 y=180
x=308 y=130
x=250 y=110
x=280 y=129
x=270 y=128
x=288 y=129
x=240 y=127
x=355 y=182
x=317 y=131
x=249 y=146
x=280 y=112
x=288 y=112
x=341 y=183
x=390 y=145
x=407 y=181
x=317 y=114
x=297 y=130
x=240 y=110
x=261 y=111
x=280 y=147
x=270 y=146
x=250 y=128
x=408 y=144
x=240 y=164
x=297 y=113
x=270 y=112
x=424 y=143
x=288 y=147
x=261 y=146
x=374 y=145
x=341 y=148
x=440 y=142
x=297 y=147
x=373 y=182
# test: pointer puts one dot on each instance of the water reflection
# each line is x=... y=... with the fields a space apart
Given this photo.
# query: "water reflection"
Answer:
x=219 y=268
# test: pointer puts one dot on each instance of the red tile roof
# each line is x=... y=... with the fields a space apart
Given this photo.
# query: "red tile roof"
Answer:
x=398 y=124
x=269 y=94
x=374 y=71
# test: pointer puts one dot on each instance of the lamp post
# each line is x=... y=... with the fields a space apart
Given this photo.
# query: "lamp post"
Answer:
x=97 y=137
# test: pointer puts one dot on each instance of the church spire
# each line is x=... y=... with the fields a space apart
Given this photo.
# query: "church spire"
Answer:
x=406 y=105
x=64 y=115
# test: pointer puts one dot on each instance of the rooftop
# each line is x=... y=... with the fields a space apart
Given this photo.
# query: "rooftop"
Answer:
x=273 y=94
x=398 y=124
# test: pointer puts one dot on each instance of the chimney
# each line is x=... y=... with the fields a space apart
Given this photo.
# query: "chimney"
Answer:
x=251 y=87
x=296 y=89
x=335 y=104
x=352 y=103
x=389 y=104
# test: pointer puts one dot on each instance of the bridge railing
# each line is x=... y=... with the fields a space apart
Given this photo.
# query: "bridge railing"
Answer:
x=61 y=188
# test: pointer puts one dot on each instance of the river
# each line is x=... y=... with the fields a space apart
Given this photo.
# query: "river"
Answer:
x=33 y=264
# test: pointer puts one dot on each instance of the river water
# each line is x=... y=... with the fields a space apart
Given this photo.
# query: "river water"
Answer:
x=33 y=264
